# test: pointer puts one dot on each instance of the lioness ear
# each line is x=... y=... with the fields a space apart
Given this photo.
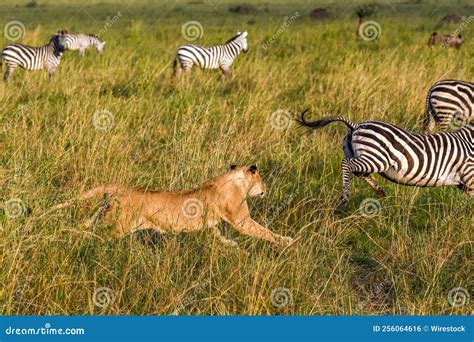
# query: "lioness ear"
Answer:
x=253 y=168
x=233 y=166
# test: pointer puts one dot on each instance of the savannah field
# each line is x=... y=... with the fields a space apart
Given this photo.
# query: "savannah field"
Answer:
x=120 y=117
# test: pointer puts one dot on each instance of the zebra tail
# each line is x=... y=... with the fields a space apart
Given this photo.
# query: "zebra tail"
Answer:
x=175 y=63
x=100 y=190
x=430 y=121
x=323 y=122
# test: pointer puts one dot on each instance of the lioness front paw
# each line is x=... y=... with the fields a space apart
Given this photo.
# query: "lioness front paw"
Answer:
x=285 y=240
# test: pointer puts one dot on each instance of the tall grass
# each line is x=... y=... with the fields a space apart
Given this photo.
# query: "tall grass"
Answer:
x=170 y=136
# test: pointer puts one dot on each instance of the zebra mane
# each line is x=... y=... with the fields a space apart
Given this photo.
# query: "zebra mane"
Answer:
x=93 y=36
x=233 y=38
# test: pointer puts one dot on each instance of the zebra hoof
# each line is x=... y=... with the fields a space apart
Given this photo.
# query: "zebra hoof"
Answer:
x=344 y=199
x=340 y=205
x=381 y=193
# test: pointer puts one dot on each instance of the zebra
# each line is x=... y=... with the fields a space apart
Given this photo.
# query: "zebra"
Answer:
x=404 y=157
x=448 y=100
x=214 y=57
x=34 y=58
x=445 y=40
x=83 y=41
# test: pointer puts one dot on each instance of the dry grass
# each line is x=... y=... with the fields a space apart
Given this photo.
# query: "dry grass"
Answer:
x=403 y=261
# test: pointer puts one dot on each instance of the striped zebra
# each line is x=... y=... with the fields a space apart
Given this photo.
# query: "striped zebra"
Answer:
x=404 y=157
x=449 y=102
x=33 y=58
x=83 y=41
x=214 y=57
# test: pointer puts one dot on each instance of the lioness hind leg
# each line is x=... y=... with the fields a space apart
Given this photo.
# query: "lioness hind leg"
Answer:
x=222 y=238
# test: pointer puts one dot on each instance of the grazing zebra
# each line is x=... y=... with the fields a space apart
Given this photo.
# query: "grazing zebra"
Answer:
x=404 y=157
x=34 y=58
x=214 y=57
x=83 y=41
x=448 y=100
x=445 y=40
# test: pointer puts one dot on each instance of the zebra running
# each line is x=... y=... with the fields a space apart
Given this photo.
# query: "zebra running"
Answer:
x=449 y=102
x=214 y=57
x=404 y=157
x=83 y=41
x=34 y=58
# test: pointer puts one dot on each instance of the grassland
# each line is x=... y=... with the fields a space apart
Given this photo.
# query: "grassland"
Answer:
x=405 y=260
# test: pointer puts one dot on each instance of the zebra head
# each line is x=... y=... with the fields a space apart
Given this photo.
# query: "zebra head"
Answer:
x=97 y=42
x=58 y=42
x=242 y=40
x=100 y=46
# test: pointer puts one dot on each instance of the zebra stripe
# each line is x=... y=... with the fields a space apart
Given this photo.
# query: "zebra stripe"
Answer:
x=33 y=58
x=214 y=57
x=448 y=100
x=404 y=157
x=83 y=41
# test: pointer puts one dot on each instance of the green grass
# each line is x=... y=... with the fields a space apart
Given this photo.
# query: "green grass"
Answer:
x=167 y=136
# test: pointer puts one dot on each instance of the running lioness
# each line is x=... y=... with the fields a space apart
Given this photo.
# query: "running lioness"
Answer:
x=220 y=198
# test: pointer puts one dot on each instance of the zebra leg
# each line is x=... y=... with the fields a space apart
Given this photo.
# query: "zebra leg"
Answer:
x=187 y=71
x=51 y=71
x=226 y=73
x=99 y=214
x=82 y=52
x=177 y=69
x=10 y=69
x=224 y=240
x=359 y=165
x=468 y=181
x=378 y=189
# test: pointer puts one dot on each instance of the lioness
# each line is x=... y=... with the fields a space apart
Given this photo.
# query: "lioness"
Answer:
x=220 y=198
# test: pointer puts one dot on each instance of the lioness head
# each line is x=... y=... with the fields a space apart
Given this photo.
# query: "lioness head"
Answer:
x=249 y=178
